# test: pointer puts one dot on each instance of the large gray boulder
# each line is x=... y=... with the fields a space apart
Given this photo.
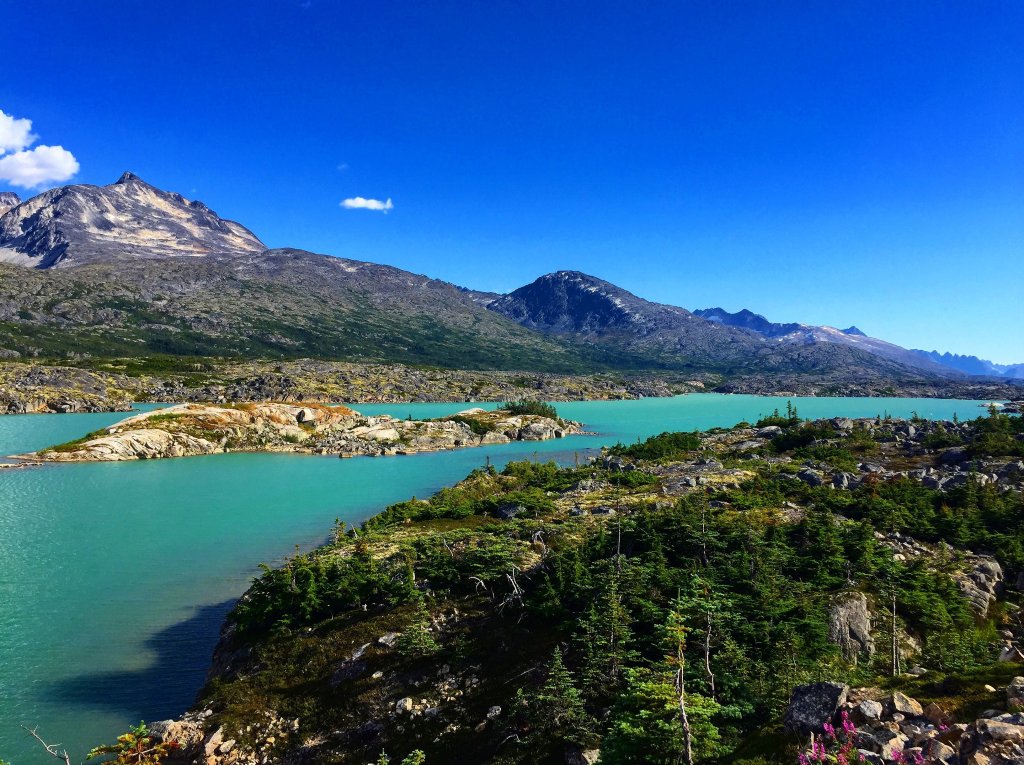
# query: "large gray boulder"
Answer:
x=849 y=625
x=810 y=477
x=982 y=584
x=813 y=705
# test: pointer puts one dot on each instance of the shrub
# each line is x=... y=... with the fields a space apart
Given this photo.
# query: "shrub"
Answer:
x=660 y=447
x=539 y=408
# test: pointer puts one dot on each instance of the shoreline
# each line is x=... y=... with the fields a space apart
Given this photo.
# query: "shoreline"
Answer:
x=231 y=660
x=27 y=388
x=187 y=430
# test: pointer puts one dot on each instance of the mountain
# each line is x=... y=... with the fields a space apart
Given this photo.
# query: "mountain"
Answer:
x=8 y=199
x=80 y=224
x=972 y=365
x=747 y=320
x=810 y=334
x=577 y=306
x=129 y=269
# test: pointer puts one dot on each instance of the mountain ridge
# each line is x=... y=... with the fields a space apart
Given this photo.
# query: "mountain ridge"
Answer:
x=973 y=365
x=128 y=268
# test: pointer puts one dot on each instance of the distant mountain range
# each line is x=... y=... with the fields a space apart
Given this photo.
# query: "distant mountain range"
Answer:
x=809 y=333
x=972 y=365
x=129 y=269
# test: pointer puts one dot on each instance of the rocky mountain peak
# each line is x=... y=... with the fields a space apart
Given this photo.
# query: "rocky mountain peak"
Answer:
x=575 y=302
x=79 y=224
x=747 y=319
x=8 y=199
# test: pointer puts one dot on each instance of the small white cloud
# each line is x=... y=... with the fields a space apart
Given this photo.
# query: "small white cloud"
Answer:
x=342 y=167
x=361 y=203
x=34 y=167
x=15 y=134
x=28 y=168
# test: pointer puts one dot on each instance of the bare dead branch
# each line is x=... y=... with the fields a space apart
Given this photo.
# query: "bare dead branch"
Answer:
x=53 y=750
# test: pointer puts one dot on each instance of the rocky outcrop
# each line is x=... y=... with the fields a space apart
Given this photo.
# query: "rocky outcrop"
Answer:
x=29 y=387
x=811 y=706
x=982 y=583
x=849 y=626
x=79 y=224
x=29 y=390
x=196 y=429
x=899 y=729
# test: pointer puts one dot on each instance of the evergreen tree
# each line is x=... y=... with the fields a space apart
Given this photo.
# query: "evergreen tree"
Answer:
x=416 y=639
x=606 y=642
x=557 y=709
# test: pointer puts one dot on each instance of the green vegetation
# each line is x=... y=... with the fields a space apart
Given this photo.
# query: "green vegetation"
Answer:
x=478 y=426
x=589 y=630
x=667 y=446
x=136 y=747
x=790 y=419
x=538 y=408
x=71 y=446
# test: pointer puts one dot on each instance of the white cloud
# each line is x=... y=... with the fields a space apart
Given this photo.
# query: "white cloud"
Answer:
x=28 y=168
x=37 y=166
x=15 y=134
x=361 y=203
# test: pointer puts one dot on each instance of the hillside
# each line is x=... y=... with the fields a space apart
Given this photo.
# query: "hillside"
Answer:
x=792 y=333
x=129 y=270
x=536 y=615
x=275 y=303
x=575 y=306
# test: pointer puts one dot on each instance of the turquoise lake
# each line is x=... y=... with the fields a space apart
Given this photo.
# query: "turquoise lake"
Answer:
x=115 y=577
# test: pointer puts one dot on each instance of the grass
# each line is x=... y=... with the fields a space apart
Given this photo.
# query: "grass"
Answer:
x=72 y=446
x=963 y=695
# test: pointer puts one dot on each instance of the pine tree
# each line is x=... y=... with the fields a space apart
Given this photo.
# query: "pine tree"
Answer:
x=416 y=639
x=557 y=709
x=606 y=642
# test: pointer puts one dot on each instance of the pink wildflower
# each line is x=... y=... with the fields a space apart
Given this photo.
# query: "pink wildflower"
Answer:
x=848 y=725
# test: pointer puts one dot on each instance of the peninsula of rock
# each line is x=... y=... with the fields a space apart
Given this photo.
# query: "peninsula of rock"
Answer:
x=195 y=429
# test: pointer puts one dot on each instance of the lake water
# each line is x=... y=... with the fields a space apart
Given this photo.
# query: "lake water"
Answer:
x=115 y=577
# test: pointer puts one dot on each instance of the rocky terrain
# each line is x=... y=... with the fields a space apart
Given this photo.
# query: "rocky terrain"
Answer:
x=74 y=225
x=113 y=386
x=856 y=384
x=570 y=304
x=35 y=389
x=972 y=365
x=457 y=660
x=8 y=199
x=878 y=727
x=189 y=430
x=793 y=333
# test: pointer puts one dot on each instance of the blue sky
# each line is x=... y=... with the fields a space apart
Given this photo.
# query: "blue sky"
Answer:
x=837 y=163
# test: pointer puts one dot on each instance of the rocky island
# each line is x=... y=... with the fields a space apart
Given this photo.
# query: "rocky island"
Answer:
x=195 y=429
